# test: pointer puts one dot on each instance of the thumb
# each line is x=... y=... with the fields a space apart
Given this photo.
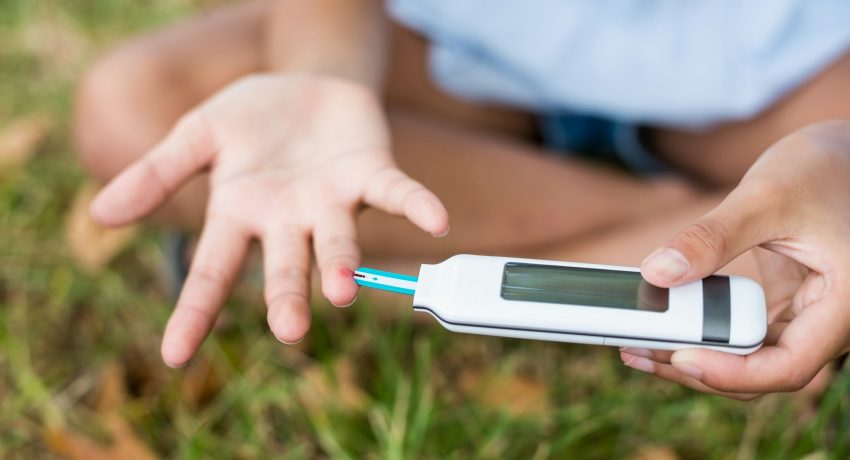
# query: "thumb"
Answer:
x=734 y=226
x=150 y=181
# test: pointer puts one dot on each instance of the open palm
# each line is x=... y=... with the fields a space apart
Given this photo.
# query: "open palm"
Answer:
x=291 y=159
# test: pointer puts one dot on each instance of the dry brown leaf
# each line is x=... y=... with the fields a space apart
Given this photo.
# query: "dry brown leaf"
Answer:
x=318 y=390
x=112 y=391
x=655 y=452
x=200 y=383
x=20 y=139
x=513 y=393
x=92 y=245
x=125 y=444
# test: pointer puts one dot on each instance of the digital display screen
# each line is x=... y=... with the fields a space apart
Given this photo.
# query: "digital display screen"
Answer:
x=582 y=286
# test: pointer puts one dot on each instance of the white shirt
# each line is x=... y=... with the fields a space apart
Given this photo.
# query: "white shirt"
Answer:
x=665 y=62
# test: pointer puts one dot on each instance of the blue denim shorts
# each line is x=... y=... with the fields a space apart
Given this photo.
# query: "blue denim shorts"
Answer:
x=602 y=139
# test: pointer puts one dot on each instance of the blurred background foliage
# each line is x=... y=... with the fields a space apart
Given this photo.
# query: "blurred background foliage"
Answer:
x=82 y=309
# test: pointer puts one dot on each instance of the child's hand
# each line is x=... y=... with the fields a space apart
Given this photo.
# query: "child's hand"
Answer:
x=795 y=204
x=291 y=158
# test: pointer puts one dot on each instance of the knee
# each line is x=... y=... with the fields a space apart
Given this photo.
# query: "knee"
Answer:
x=114 y=119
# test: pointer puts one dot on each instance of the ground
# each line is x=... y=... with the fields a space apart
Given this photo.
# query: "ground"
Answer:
x=82 y=311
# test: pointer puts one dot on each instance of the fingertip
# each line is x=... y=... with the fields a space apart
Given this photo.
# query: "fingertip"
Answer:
x=685 y=361
x=289 y=323
x=181 y=339
x=110 y=206
x=429 y=214
x=174 y=355
x=287 y=337
x=99 y=208
x=639 y=363
x=442 y=234
x=643 y=352
x=339 y=287
x=654 y=279
x=665 y=267
x=440 y=221
x=174 y=364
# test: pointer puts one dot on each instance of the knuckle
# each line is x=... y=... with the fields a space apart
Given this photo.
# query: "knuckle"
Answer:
x=817 y=140
x=194 y=131
x=189 y=125
x=414 y=189
x=797 y=379
x=287 y=298
x=296 y=274
x=340 y=260
x=708 y=235
x=193 y=309
x=765 y=198
x=395 y=186
x=335 y=245
x=286 y=286
x=388 y=176
x=761 y=191
x=158 y=184
x=396 y=189
x=683 y=379
x=212 y=274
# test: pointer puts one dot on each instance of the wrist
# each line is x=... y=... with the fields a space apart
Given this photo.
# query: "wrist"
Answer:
x=321 y=67
x=339 y=38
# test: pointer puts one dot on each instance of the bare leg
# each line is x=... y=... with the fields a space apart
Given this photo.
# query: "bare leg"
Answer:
x=501 y=193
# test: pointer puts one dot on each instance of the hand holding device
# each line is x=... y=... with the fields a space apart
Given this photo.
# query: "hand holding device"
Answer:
x=793 y=205
x=291 y=157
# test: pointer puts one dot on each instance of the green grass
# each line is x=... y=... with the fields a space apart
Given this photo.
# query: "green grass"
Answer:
x=59 y=327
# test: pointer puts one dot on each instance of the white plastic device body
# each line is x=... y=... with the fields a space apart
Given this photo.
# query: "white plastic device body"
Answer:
x=465 y=293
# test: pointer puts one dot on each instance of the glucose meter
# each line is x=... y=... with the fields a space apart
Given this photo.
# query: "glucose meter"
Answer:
x=582 y=303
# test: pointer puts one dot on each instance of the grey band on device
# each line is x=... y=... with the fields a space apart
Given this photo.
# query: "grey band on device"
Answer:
x=716 y=309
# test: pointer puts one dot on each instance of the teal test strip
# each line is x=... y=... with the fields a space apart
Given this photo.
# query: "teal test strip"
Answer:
x=387 y=281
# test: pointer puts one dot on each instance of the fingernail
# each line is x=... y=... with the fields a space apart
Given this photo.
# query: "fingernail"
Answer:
x=440 y=235
x=175 y=366
x=637 y=351
x=290 y=343
x=667 y=263
x=685 y=366
x=639 y=363
x=349 y=303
